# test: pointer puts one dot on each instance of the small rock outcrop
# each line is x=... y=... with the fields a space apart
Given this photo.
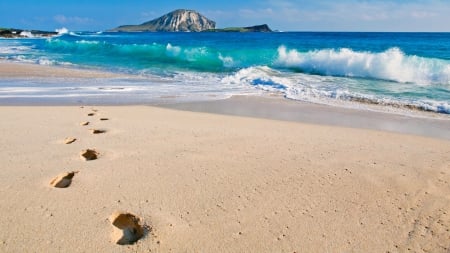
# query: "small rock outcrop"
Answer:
x=18 y=33
x=256 y=28
x=175 y=21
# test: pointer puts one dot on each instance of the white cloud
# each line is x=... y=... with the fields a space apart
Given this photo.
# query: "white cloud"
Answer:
x=342 y=15
x=256 y=13
x=423 y=14
x=149 y=14
x=388 y=15
x=61 y=19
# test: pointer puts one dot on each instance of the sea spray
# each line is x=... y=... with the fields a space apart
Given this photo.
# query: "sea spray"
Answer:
x=62 y=31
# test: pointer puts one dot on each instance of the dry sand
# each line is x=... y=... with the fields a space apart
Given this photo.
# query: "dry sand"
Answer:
x=214 y=183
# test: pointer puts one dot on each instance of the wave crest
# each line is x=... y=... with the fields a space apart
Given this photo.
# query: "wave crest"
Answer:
x=62 y=31
x=392 y=65
x=172 y=56
x=336 y=90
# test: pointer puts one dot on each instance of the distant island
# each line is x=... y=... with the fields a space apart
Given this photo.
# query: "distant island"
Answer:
x=185 y=21
x=176 y=21
x=19 y=33
x=256 y=28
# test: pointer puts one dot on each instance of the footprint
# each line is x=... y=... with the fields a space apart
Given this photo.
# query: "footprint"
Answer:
x=103 y=119
x=127 y=228
x=63 y=180
x=97 y=131
x=91 y=114
x=89 y=154
x=69 y=140
x=85 y=123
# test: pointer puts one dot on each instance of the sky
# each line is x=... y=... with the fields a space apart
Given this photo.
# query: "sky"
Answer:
x=283 y=15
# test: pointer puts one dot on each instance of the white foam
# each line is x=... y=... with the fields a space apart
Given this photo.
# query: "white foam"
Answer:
x=192 y=54
x=227 y=61
x=14 y=49
x=324 y=89
x=27 y=34
x=45 y=61
x=391 y=65
x=91 y=42
x=62 y=31
x=172 y=50
x=261 y=76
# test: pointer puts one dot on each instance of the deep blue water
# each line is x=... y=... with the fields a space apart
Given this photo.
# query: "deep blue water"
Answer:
x=409 y=70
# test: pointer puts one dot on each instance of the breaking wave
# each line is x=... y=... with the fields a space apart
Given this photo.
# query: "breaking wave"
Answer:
x=154 y=54
x=391 y=65
x=62 y=31
x=335 y=90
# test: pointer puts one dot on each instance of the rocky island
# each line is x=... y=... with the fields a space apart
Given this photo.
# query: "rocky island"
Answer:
x=19 y=33
x=175 y=21
x=256 y=28
x=185 y=21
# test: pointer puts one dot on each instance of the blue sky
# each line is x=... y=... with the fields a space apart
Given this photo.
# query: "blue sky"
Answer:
x=285 y=15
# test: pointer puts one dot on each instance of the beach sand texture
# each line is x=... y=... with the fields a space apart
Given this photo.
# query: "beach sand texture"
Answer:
x=200 y=182
x=21 y=70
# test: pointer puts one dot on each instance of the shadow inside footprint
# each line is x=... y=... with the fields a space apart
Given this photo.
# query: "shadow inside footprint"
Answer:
x=63 y=180
x=69 y=140
x=103 y=119
x=84 y=123
x=97 y=131
x=91 y=114
x=89 y=154
x=127 y=228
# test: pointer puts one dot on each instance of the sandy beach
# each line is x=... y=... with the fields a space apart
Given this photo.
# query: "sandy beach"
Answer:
x=208 y=182
x=214 y=183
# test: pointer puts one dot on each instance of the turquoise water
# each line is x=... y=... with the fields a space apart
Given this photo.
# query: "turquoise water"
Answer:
x=406 y=70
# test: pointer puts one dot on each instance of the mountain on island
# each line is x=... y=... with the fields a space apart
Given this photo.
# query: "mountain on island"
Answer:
x=175 y=21
x=185 y=21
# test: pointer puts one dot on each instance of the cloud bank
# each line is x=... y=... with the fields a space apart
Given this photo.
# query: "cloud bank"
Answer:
x=347 y=15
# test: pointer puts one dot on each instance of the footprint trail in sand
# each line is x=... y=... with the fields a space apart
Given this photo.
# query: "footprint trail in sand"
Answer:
x=63 y=180
x=97 y=131
x=89 y=154
x=69 y=140
x=127 y=228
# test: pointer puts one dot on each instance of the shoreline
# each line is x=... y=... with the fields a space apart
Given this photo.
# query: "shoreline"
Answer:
x=268 y=106
x=276 y=108
x=12 y=69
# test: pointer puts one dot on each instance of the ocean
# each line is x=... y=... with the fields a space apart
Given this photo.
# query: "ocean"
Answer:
x=390 y=71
